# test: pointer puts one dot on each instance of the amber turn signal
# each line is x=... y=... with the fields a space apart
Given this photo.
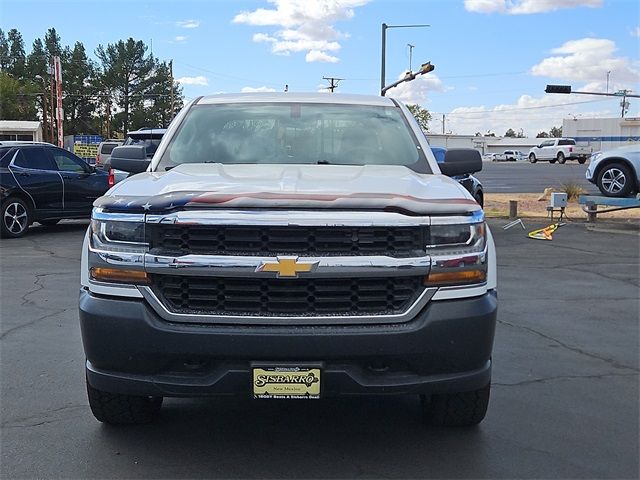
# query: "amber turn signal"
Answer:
x=463 y=277
x=115 y=275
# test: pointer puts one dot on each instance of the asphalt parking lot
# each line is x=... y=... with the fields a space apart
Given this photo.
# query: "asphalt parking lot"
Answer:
x=525 y=177
x=564 y=398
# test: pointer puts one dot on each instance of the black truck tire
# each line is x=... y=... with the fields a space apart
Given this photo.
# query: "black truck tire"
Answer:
x=456 y=409
x=119 y=409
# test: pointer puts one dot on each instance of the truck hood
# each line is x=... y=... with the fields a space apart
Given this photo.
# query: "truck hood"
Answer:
x=374 y=187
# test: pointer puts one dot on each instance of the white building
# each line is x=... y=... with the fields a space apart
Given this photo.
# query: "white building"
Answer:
x=602 y=133
x=20 y=130
x=483 y=144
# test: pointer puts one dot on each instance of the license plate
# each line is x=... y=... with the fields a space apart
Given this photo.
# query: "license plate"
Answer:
x=288 y=382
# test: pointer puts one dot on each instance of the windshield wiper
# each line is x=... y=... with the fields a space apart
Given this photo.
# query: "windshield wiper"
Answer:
x=324 y=162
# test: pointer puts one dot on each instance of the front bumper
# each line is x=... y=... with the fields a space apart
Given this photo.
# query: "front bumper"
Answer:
x=131 y=350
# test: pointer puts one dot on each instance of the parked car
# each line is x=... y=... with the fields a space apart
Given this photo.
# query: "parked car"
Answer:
x=468 y=181
x=42 y=183
x=104 y=152
x=559 y=150
x=289 y=246
x=149 y=138
x=509 y=156
x=616 y=172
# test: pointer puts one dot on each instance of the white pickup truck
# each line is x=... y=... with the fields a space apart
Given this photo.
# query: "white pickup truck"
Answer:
x=560 y=150
x=509 y=156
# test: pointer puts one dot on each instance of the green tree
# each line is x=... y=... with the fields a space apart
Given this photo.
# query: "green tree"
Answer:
x=4 y=51
x=17 y=98
x=542 y=135
x=154 y=109
x=422 y=116
x=126 y=73
x=80 y=92
x=17 y=59
x=510 y=133
x=555 y=132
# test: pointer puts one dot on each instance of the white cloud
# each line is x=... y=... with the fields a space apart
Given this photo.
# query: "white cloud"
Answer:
x=587 y=60
x=188 y=23
x=320 y=56
x=305 y=26
x=532 y=114
x=258 y=89
x=521 y=7
x=180 y=38
x=199 y=80
x=635 y=32
x=417 y=91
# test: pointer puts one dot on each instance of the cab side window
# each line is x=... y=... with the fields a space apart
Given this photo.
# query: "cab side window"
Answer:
x=34 y=158
x=67 y=162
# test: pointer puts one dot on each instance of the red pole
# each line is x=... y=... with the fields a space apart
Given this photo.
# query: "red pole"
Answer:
x=59 y=114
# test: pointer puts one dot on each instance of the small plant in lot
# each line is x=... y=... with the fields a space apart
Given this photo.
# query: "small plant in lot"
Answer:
x=573 y=190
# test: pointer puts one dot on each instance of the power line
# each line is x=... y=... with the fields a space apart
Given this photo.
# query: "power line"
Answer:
x=333 y=83
x=538 y=107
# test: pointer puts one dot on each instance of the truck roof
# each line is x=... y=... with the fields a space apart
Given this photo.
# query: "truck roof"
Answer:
x=275 y=97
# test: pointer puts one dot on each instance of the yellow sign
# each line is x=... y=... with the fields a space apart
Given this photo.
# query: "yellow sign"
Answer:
x=287 y=267
x=84 y=150
x=286 y=382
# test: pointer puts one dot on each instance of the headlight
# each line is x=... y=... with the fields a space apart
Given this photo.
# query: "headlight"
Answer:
x=458 y=248
x=117 y=248
x=116 y=233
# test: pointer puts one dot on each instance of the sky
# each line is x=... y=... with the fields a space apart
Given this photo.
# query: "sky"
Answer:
x=493 y=58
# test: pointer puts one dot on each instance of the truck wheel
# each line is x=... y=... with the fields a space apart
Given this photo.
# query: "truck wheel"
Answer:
x=532 y=158
x=456 y=409
x=582 y=160
x=118 y=409
x=561 y=158
x=16 y=218
x=615 y=180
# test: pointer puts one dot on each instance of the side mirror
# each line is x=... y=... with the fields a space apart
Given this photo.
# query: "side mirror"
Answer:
x=130 y=158
x=458 y=161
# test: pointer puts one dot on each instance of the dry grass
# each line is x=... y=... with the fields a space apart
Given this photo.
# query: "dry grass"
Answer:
x=573 y=190
x=497 y=205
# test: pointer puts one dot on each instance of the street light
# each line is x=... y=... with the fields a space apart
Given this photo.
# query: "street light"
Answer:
x=408 y=76
x=44 y=104
x=384 y=46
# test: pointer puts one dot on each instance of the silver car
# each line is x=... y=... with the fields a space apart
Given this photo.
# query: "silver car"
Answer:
x=616 y=172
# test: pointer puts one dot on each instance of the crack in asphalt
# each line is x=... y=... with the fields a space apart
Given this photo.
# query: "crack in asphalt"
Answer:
x=607 y=360
x=39 y=286
x=43 y=418
x=564 y=377
x=39 y=248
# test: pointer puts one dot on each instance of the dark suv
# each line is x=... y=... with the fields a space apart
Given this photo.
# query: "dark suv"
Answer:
x=148 y=137
x=43 y=183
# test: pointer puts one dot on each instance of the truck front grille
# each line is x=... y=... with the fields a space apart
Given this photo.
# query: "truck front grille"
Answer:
x=292 y=240
x=286 y=297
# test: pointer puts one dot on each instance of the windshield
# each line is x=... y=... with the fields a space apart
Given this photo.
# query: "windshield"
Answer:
x=151 y=144
x=294 y=133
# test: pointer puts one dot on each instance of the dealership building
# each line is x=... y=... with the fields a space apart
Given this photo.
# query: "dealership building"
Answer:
x=597 y=133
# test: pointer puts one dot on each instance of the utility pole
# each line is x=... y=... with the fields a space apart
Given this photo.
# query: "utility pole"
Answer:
x=608 y=73
x=172 y=99
x=444 y=118
x=411 y=47
x=333 y=83
x=624 y=104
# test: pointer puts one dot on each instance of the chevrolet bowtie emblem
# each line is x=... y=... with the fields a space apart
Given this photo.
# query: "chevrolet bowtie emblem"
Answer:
x=287 y=267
